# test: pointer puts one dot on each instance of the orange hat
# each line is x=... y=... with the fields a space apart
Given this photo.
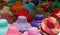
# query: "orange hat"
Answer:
x=16 y=6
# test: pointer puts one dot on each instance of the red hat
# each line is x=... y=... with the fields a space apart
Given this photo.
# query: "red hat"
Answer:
x=23 y=12
x=55 y=11
x=8 y=17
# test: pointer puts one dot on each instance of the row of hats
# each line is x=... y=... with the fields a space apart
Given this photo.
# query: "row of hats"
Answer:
x=48 y=25
x=22 y=24
x=18 y=7
x=31 y=5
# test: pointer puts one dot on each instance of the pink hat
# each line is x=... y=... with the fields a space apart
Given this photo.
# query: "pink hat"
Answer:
x=32 y=31
x=13 y=31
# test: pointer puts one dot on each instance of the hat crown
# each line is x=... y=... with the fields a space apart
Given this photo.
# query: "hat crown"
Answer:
x=33 y=31
x=13 y=30
x=3 y=22
x=39 y=17
x=22 y=19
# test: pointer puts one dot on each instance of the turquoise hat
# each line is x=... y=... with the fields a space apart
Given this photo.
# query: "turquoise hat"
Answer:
x=4 y=25
x=30 y=7
x=12 y=2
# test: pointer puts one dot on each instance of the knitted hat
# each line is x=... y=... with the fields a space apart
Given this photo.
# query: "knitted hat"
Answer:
x=6 y=9
x=4 y=25
x=30 y=7
x=22 y=23
x=49 y=25
x=17 y=6
x=7 y=17
x=56 y=12
x=23 y=12
x=13 y=30
x=38 y=19
x=32 y=31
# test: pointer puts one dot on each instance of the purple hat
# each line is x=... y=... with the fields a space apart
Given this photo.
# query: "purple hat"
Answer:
x=22 y=19
x=36 y=22
x=22 y=23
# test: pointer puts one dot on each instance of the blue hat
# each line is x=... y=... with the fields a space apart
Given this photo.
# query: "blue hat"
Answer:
x=38 y=19
x=4 y=25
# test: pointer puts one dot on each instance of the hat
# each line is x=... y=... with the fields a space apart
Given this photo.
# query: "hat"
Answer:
x=22 y=23
x=32 y=31
x=23 y=12
x=12 y=2
x=13 y=30
x=38 y=19
x=17 y=6
x=7 y=17
x=30 y=7
x=4 y=25
x=55 y=11
x=6 y=9
x=49 y=25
